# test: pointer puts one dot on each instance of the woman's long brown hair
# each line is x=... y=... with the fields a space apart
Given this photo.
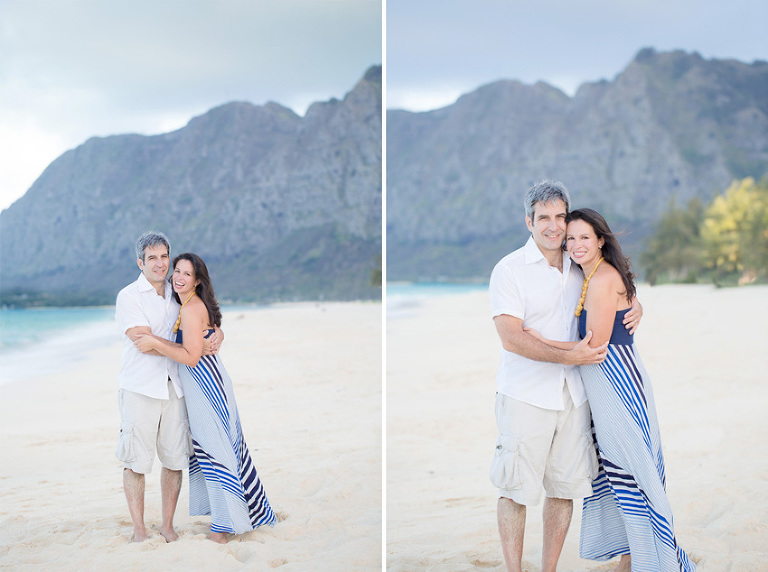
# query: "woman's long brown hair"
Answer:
x=205 y=287
x=611 y=248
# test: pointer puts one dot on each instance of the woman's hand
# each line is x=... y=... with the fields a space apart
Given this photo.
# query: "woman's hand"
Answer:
x=145 y=343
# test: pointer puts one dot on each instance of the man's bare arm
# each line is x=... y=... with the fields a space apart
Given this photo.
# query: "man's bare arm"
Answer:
x=515 y=340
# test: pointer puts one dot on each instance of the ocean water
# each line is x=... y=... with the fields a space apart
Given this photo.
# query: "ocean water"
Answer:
x=429 y=289
x=403 y=298
x=22 y=327
x=34 y=341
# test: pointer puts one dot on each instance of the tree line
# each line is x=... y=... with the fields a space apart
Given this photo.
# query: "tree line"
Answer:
x=725 y=242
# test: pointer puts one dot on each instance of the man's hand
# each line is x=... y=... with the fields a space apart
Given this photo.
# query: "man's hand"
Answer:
x=582 y=354
x=212 y=343
x=632 y=318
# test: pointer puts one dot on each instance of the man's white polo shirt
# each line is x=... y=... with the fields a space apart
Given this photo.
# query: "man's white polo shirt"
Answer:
x=525 y=286
x=138 y=304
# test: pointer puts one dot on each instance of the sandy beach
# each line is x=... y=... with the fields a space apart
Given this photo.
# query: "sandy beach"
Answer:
x=308 y=384
x=706 y=350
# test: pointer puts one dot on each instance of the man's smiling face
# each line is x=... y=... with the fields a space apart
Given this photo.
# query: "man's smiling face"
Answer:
x=155 y=264
x=548 y=225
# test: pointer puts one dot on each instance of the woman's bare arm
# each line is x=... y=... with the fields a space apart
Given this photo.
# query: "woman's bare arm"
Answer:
x=194 y=318
x=604 y=298
x=515 y=340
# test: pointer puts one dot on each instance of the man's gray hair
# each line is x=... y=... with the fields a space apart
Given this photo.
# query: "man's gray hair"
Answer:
x=543 y=192
x=149 y=239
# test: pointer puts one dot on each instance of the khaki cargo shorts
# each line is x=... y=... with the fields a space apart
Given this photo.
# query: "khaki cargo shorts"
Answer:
x=543 y=448
x=149 y=424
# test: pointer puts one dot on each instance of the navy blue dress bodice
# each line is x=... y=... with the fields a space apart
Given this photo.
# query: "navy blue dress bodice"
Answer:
x=619 y=336
x=180 y=338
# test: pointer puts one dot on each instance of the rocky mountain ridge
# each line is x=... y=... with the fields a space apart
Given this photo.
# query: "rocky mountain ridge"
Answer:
x=669 y=127
x=281 y=207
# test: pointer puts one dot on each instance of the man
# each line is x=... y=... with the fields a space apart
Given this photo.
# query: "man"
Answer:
x=541 y=406
x=152 y=410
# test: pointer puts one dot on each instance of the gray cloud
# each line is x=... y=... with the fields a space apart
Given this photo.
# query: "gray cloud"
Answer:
x=455 y=46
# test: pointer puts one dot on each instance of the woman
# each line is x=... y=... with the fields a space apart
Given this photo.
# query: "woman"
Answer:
x=222 y=479
x=628 y=514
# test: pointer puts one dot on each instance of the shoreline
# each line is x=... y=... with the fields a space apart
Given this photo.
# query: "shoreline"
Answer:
x=68 y=344
x=55 y=351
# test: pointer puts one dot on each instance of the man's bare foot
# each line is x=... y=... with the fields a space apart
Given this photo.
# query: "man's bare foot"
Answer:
x=139 y=535
x=625 y=564
x=219 y=537
x=169 y=535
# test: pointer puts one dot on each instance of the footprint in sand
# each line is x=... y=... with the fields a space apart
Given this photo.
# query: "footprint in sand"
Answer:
x=477 y=563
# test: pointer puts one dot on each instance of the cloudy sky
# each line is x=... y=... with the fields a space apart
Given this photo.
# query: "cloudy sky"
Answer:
x=440 y=49
x=73 y=69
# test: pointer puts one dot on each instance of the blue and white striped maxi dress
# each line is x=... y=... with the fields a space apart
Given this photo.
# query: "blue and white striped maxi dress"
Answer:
x=223 y=482
x=628 y=512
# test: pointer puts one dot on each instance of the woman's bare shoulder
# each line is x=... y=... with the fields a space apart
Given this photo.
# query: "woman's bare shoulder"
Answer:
x=606 y=282
x=606 y=275
x=195 y=307
x=611 y=283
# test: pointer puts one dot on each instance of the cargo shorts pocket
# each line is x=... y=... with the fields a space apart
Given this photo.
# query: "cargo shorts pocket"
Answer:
x=505 y=468
x=126 y=444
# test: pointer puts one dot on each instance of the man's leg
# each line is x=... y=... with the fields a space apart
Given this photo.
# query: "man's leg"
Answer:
x=139 y=416
x=172 y=440
x=511 y=518
x=557 y=519
x=571 y=463
x=133 y=484
x=170 y=486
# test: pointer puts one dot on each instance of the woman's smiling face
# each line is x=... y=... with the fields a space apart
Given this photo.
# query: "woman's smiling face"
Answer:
x=184 y=277
x=582 y=243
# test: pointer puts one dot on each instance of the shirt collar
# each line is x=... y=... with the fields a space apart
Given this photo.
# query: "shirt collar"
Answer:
x=534 y=255
x=145 y=285
x=532 y=252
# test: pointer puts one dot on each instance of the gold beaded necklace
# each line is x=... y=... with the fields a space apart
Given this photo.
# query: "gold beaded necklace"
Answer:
x=178 y=320
x=584 y=287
